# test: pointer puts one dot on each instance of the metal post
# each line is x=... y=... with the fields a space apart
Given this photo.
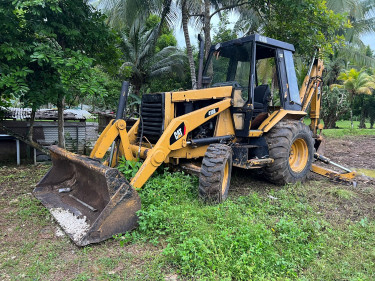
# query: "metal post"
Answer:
x=34 y=156
x=18 y=152
x=122 y=100
x=200 y=68
x=77 y=131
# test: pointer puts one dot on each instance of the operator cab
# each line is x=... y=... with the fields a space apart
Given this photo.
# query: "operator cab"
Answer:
x=259 y=69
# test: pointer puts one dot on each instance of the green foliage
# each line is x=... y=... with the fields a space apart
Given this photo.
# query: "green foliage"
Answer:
x=49 y=48
x=166 y=38
x=334 y=105
x=128 y=167
x=356 y=82
x=144 y=60
x=307 y=24
x=240 y=239
x=107 y=97
x=369 y=52
x=223 y=32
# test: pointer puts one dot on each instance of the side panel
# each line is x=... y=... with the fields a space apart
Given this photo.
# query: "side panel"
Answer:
x=202 y=94
x=275 y=118
x=168 y=109
x=189 y=152
x=224 y=124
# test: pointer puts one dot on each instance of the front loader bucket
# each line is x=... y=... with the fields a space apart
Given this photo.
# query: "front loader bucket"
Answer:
x=90 y=201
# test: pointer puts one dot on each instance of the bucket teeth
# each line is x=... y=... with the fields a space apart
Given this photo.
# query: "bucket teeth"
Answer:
x=90 y=201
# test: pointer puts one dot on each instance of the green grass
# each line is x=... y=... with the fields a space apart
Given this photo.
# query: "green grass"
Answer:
x=312 y=231
x=339 y=133
x=366 y=172
x=342 y=193
x=344 y=129
x=246 y=238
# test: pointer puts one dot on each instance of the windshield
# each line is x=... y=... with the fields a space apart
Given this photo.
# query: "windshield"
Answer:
x=231 y=63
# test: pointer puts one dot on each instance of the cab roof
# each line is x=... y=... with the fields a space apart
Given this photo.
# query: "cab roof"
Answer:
x=258 y=39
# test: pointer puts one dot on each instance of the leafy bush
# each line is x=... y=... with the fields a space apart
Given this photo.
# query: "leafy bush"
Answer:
x=246 y=238
x=128 y=167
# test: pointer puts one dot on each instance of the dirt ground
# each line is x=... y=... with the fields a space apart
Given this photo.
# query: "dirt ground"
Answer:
x=355 y=201
x=354 y=151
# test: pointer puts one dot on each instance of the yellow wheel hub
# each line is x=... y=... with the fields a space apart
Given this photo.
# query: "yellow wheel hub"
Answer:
x=225 y=178
x=299 y=155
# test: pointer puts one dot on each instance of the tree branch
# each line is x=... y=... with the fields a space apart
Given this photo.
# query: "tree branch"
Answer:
x=195 y=15
x=228 y=7
x=25 y=140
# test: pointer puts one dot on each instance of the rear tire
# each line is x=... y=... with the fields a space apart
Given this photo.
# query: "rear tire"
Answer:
x=291 y=145
x=215 y=174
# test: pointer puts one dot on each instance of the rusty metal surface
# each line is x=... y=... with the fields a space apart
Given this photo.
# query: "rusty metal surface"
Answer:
x=253 y=163
x=191 y=168
x=333 y=175
x=103 y=188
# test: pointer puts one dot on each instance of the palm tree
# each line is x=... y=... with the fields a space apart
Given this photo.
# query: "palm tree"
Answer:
x=123 y=13
x=142 y=60
x=187 y=8
x=357 y=83
x=361 y=14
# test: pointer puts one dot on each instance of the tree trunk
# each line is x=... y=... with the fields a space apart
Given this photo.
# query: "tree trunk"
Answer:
x=362 y=124
x=185 y=20
x=207 y=28
x=60 y=120
x=25 y=140
x=330 y=120
x=351 y=118
x=30 y=134
x=137 y=88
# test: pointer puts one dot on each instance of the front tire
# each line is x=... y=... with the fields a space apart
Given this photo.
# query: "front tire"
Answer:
x=215 y=174
x=291 y=145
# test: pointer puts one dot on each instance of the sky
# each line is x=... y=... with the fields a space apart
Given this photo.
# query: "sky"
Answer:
x=179 y=34
x=369 y=40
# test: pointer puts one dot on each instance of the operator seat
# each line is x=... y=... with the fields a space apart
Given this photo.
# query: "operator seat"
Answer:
x=262 y=95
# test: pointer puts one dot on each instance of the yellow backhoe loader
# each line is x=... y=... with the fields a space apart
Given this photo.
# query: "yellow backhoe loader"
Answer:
x=247 y=112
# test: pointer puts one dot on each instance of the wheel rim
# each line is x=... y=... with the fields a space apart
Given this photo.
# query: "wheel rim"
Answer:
x=225 y=178
x=298 y=156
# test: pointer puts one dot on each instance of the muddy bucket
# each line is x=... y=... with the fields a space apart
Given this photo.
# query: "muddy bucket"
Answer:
x=90 y=201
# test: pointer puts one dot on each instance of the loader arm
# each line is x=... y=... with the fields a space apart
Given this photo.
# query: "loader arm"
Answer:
x=115 y=129
x=174 y=138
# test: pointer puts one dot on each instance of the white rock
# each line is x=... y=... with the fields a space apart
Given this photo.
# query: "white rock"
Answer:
x=71 y=224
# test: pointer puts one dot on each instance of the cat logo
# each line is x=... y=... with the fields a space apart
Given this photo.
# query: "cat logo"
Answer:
x=211 y=112
x=178 y=133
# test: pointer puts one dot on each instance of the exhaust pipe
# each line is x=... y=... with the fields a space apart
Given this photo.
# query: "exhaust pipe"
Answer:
x=200 y=68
